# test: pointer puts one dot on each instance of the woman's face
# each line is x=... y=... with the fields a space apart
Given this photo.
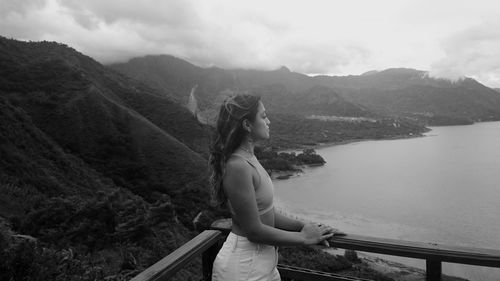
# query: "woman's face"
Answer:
x=260 y=126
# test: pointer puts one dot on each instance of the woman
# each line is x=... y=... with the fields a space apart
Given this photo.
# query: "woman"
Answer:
x=239 y=181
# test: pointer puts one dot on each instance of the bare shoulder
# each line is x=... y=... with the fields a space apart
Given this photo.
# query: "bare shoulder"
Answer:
x=239 y=174
x=237 y=166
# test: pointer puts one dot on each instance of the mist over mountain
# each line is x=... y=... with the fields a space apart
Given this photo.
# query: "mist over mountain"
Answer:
x=283 y=91
x=397 y=93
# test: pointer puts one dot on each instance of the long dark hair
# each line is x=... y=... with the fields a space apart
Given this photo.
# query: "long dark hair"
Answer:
x=228 y=136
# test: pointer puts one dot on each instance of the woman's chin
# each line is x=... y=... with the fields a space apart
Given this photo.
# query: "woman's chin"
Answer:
x=264 y=136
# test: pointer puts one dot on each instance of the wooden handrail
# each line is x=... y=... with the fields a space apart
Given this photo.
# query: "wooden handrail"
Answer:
x=419 y=250
x=434 y=254
x=170 y=264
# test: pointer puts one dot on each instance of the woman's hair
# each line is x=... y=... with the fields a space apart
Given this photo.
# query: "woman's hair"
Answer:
x=229 y=133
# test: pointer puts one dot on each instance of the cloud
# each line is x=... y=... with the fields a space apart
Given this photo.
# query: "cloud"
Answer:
x=148 y=12
x=474 y=52
x=320 y=36
x=243 y=35
x=19 y=7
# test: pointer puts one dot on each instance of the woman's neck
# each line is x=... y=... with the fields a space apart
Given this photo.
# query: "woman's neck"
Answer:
x=247 y=147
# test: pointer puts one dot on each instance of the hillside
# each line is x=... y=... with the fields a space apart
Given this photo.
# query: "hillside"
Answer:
x=92 y=163
x=32 y=163
x=69 y=208
x=110 y=118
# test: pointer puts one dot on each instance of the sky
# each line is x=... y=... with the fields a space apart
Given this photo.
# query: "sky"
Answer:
x=450 y=39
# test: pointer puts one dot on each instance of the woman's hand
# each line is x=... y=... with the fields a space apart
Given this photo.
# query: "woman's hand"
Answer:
x=335 y=231
x=316 y=233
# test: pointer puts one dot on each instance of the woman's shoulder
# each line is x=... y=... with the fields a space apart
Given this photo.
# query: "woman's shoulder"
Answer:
x=236 y=159
x=237 y=169
x=238 y=162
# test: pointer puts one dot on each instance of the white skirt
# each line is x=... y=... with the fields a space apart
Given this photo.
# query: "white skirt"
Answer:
x=242 y=260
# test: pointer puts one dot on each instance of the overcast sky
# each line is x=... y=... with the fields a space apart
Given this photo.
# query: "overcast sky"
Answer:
x=448 y=38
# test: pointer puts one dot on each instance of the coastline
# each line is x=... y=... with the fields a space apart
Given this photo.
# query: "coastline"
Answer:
x=391 y=269
x=323 y=145
x=330 y=144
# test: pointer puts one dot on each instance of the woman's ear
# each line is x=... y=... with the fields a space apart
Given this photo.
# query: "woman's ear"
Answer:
x=247 y=125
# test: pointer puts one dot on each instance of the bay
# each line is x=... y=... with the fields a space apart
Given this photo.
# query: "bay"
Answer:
x=441 y=188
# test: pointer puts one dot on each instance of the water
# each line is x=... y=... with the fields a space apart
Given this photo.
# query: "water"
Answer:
x=442 y=188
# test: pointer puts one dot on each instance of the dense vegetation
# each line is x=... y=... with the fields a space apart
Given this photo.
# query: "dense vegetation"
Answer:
x=90 y=188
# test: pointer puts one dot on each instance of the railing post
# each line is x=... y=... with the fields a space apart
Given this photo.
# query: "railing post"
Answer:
x=207 y=260
x=433 y=270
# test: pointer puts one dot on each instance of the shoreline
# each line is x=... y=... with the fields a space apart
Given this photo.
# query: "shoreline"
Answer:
x=329 y=144
x=391 y=269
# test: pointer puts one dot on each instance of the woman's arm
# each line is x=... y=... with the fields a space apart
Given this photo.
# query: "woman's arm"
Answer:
x=239 y=189
x=283 y=221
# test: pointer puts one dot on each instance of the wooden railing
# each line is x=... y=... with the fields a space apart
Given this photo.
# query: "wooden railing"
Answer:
x=209 y=242
x=205 y=243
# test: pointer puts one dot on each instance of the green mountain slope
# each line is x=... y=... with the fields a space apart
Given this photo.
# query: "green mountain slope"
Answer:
x=92 y=164
x=72 y=211
x=96 y=114
x=34 y=163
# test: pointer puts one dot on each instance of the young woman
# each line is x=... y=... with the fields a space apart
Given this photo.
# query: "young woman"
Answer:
x=240 y=181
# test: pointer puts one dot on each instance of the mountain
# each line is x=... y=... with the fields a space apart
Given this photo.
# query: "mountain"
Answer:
x=302 y=111
x=283 y=91
x=397 y=92
x=94 y=163
x=413 y=94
